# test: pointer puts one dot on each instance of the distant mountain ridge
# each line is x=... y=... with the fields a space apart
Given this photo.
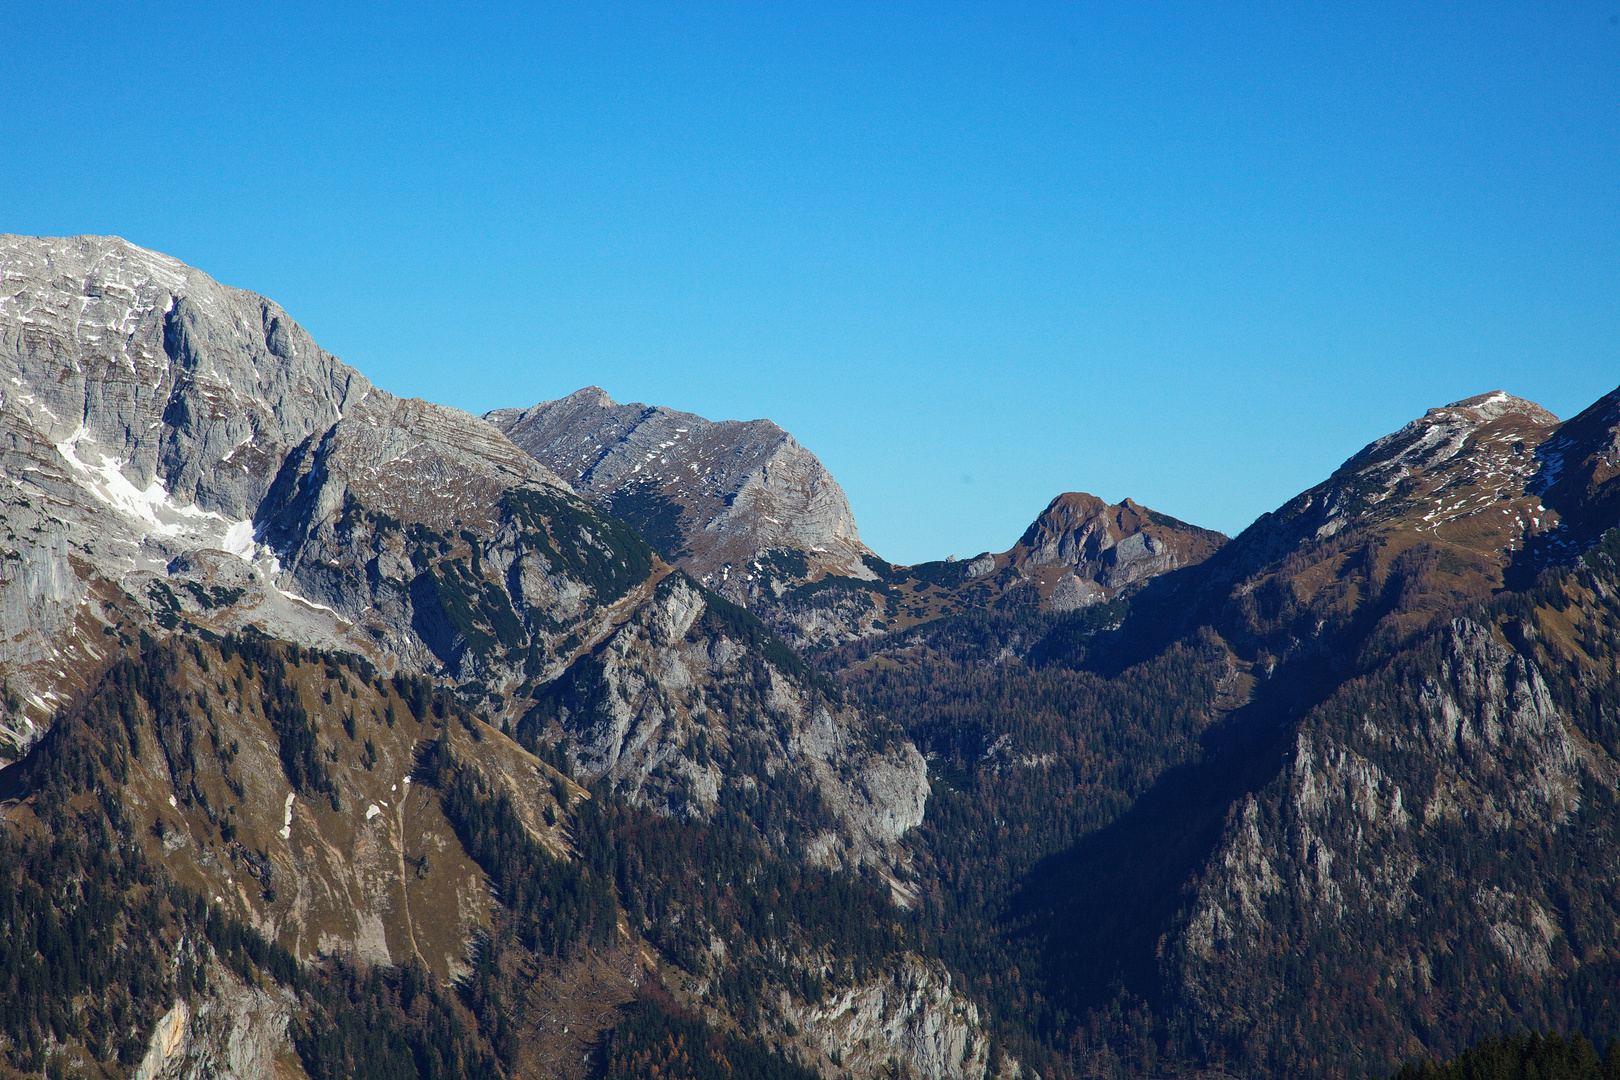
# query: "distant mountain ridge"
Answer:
x=755 y=516
x=189 y=446
x=362 y=675
x=364 y=737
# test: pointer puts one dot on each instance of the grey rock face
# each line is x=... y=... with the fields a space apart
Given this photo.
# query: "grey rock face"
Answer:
x=1072 y=594
x=178 y=449
x=913 y=1015
x=236 y=1032
x=713 y=497
x=1083 y=550
x=174 y=377
x=1463 y=739
x=143 y=413
x=670 y=710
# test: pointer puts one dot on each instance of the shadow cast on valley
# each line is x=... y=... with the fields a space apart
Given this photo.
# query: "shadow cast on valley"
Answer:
x=1097 y=914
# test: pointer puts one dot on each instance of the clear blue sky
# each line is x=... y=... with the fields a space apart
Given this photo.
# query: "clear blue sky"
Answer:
x=972 y=255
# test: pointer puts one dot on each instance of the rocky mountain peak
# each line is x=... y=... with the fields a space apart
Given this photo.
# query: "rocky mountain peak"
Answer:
x=1455 y=463
x=183 y=451
x=714 y=497
x=1495 y=405
x=1460 y=500
x=1095 y=548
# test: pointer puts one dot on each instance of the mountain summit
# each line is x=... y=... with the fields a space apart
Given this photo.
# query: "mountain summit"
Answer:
x=711 y=496
x=358 y=739
x=361 y=674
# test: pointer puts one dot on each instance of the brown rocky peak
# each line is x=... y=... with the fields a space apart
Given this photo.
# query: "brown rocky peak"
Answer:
x=1077 y=527
x=1494 y=405
x=1090 y=549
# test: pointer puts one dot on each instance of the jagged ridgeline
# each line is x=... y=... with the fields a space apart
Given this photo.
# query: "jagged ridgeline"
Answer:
x=245 y=831
x=1341 y=795
x=350 y=737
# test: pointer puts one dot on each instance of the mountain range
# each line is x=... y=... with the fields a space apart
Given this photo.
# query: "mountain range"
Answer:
x=351 y=735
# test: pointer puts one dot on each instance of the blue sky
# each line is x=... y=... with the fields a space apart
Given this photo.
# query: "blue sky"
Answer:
x=972 y=255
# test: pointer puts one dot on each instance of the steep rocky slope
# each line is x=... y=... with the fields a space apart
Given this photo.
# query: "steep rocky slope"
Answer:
x=258 y=597
x=184 y=448
x=712 y=497
x=1452 y=814
x=692 y=705
x=1578 y=478
x=349 y=819
x=1082 y=551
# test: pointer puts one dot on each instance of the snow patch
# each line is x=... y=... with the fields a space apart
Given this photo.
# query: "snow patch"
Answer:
x=151 y=508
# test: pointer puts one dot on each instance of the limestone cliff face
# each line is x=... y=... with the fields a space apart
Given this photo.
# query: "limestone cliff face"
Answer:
x=153 y=370
x=182 y=451
x=713 y=497
x=911 y=1015
x=236 y=1032
x=1404 y=822
x=143 y=411
x=686 y=700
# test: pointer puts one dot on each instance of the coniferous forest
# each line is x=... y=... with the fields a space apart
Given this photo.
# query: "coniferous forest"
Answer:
x=437 y=768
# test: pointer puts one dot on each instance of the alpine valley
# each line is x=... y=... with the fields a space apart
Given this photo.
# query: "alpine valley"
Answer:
x=352 y=736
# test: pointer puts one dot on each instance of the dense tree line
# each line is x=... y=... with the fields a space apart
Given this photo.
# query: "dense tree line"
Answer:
x=1027 y=758
x=85 y=929
x=680 y=885
x=554 y=905
x=683 y=884
x=384 y=1024
x=1521 y=1057
x=96 y=942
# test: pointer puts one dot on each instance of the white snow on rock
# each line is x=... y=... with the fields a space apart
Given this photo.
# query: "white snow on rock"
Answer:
x=151 y=509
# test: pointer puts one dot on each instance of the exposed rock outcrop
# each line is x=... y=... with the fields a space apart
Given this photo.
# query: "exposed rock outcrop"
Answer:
x=1399 y=820
x=911 y=1016
x=235 y=1032
x=1103 y=549
x=692 y=695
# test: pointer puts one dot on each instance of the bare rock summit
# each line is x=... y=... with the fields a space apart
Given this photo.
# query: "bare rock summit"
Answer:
x=179 y=451
x=724 y=500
